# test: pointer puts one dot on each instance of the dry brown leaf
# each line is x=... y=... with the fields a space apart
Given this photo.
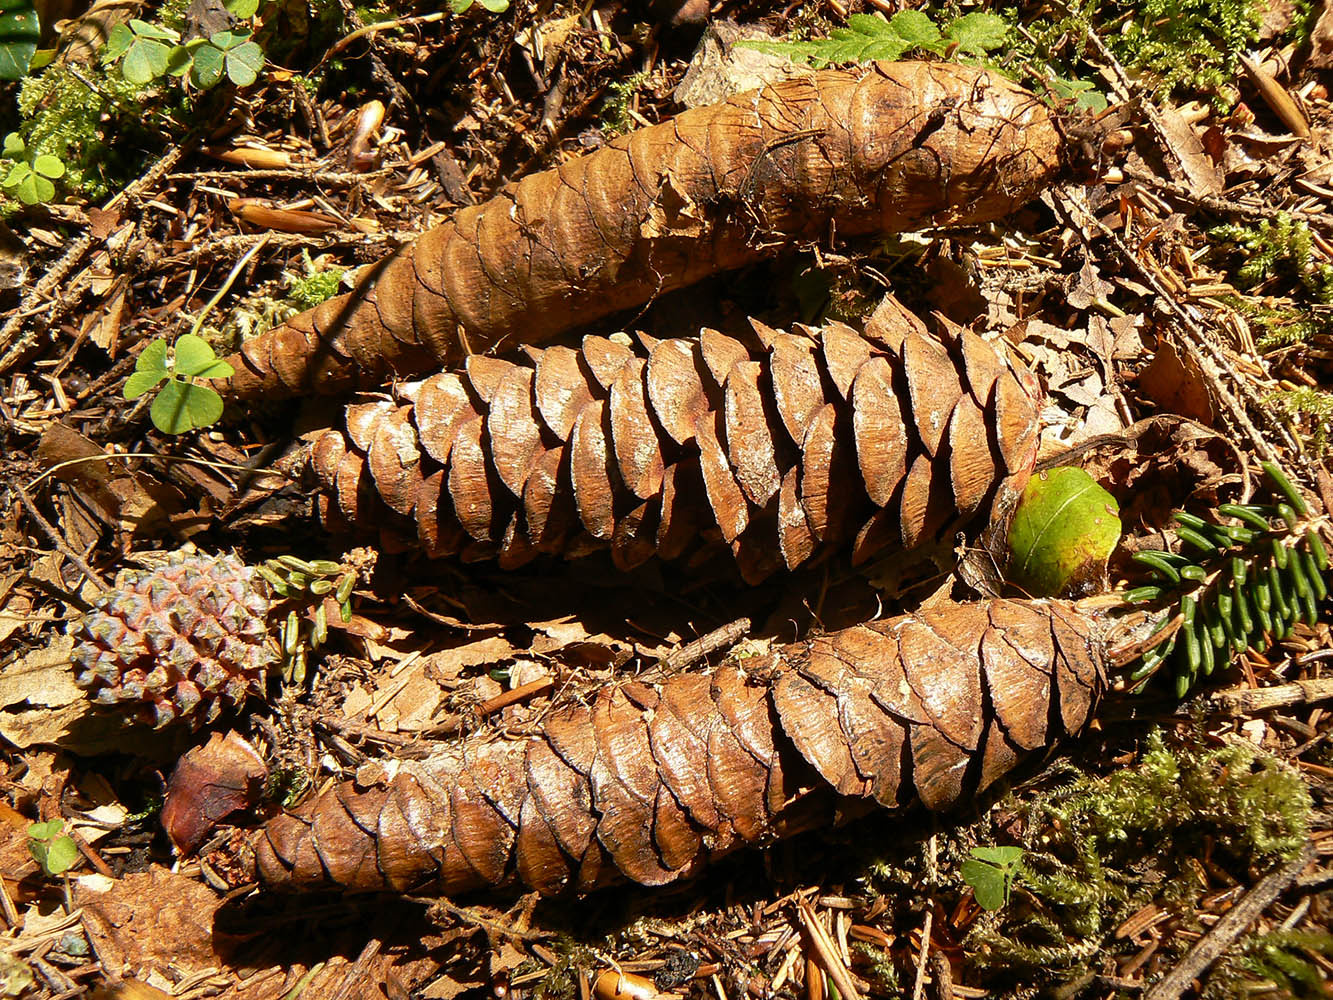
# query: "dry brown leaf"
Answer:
x=149 y=921
x=1202 y=174
x=1177 y=384
x=210 y=783
x=126 y=500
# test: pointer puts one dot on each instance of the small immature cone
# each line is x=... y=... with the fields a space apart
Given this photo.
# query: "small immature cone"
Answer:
x=882 y=148
x=650 y=783
x=799 y=441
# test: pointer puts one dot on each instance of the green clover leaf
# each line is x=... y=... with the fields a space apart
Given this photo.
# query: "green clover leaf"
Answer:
x=55 y=852
x=991 y=872
x=183 y=406
x=195 y=359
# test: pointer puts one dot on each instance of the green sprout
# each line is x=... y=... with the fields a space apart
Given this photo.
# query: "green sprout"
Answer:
x=182 y=404
x=54 y=851
x=30 y=182
x=991 y=872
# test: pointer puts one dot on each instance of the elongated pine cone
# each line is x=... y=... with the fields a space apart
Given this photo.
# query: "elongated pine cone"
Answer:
x=880 y=148
x=650 y=783
x=816 y=437
x=180 y=641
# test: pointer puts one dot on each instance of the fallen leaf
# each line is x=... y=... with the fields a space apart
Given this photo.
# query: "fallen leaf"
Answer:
x=1177 y=384
x=1203 y=175
x=210 y=783
x=149 y=921
x=1063 y=531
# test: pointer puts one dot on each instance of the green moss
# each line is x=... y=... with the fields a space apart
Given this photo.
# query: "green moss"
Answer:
x=616 y=118
x=82 y=126
x=1191 y=43
x=1173 y=45
x=1282 y=958
x=1311 y=410
x=1100 y=849
x=1278 y=250
x=317 y=286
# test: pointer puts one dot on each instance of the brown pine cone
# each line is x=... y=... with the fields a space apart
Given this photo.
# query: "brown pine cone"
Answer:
x=650 y=783
x=800 y=440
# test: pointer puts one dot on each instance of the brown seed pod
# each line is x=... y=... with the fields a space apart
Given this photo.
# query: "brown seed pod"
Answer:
x=774 y=449
x=650 y=783
x=886 y=147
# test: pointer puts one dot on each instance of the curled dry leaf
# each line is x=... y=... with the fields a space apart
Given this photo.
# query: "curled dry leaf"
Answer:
x=210 y=783
x=775 y=448
x=880 y=148
x=650 y=783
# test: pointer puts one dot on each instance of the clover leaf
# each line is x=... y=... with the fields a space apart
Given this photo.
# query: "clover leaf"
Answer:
x=55 y=852
x=991 y=872
x=181 y=404
x=31 y=183
x=232 y=52
x=144 y=49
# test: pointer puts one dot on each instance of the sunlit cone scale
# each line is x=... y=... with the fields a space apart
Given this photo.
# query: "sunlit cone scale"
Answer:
x=774 y=448
x=881 y=148
x=649 y=783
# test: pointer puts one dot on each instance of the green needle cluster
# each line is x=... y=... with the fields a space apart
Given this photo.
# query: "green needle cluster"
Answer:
x=301 y=585
x=1230 y=585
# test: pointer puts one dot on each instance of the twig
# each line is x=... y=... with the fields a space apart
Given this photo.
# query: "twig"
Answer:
x=309 y=174
x=229 y=245
x=1212 y=945
x=922 y=957
x=58 y=539
x=719 y=638
x=506 y=698
x=1246 y=701
x=494 y=930
x=13 y=342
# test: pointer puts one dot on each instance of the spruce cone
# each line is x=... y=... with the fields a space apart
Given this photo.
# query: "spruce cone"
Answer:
x=650 y=783
x=179 y=641
x=813 y=438
x=888 y=147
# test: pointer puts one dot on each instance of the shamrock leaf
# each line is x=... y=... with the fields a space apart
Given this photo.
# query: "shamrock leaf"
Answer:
x=183 y=406
x=195 y=359
x=991 y=872
x=55 y=852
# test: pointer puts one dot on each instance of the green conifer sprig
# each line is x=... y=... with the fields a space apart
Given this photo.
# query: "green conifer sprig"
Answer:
x=302 y=588
x=1238 y=581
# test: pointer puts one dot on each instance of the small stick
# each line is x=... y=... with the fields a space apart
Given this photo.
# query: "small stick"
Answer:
x=1247 y=701
x=12 y=341
x=693 y=652
x=504 y=699
x=58 y=539
x=1212 y=945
